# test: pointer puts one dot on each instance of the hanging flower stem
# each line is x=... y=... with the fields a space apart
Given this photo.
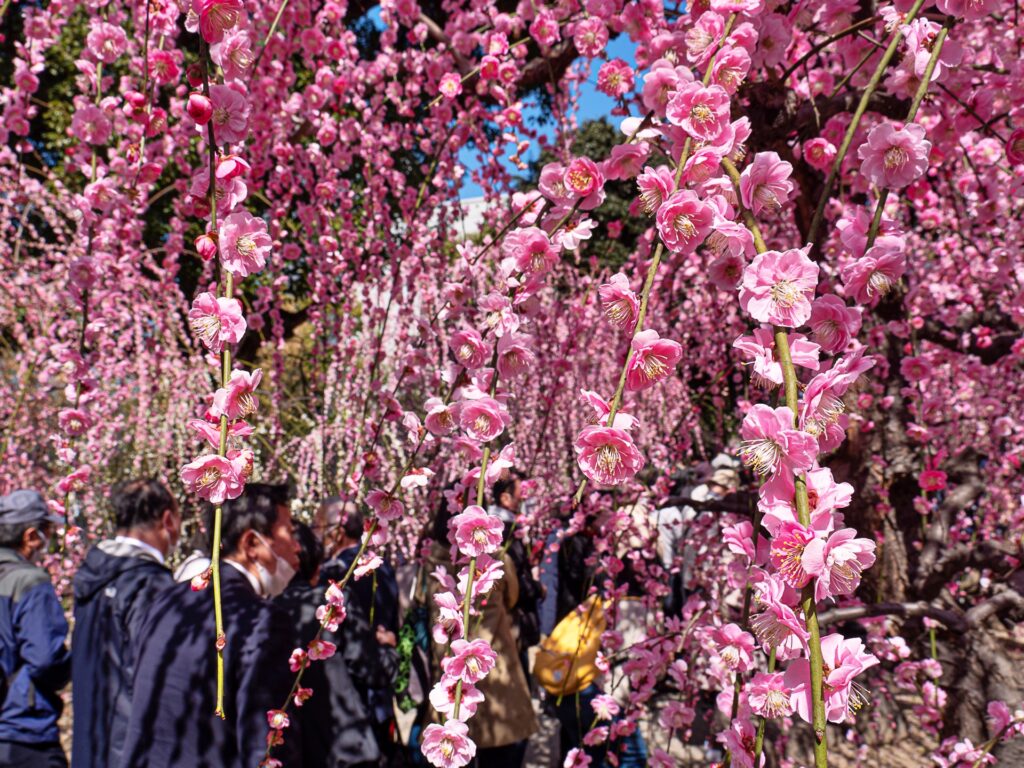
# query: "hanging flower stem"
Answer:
x=792 y=393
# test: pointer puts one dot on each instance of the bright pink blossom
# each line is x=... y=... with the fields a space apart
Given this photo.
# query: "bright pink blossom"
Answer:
x=615 y=78
x=768 y=695
x=230 y=114
x=778 y=287
x=217 y=16
x=819 y=153
x=786 y=554
x=872 y=276
x=734 y=647
x=515 y=355
x=833 y=323
x=469 y=348
x=530 y=250
x=772 y=447
x=590 y=37
x=656 y=186
x=607 y=455
x=654 y=359
x=470 y=662
x=760 y=347
x=583 y=179
x=450 y=86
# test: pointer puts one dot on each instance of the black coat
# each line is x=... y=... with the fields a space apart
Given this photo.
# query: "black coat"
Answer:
x=173 y=724
x=335 y=727
x=112 y=593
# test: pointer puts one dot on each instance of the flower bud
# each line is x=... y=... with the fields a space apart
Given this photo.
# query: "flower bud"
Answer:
x=206 y=245
x=200 y=108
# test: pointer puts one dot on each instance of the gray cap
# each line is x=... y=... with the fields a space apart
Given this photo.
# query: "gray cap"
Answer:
x=26 y=507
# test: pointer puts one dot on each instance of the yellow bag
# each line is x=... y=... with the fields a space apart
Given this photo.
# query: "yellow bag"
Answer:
x=566 y=660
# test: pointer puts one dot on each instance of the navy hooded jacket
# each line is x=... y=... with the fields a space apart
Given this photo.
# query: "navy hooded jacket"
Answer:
x=174 y=690
x=113 y=588
x=33 y=658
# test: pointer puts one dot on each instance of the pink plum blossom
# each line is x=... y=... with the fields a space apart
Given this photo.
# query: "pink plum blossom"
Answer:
x=216 y=321
x=768 y=695
x=236 y=400
x=819 y=153
x=838 y=562
x=230 y=114
x=702 y=112
x=843 y=659
x=470 y=662
x=654 y=359
x=656 y=186
x=213 y=478
x=217 y=16
x=469 y=348
x=778 y=287
x=475 y=532
x=833 y=323
x=515 y=355
x=442 y=698
x=765 y=183
x=483 y=419
x=607 y=455
x=894 y=155
x=872 y=276
x=244 y=243
x=760 y=347
x=772 y=447
x=448 y=745
x=621 y=305
x=684 y=220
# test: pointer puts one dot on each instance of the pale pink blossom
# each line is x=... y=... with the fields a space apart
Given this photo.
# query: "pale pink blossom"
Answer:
x=894 y=155
x=778 y=287
x=233 y=54
x=440 y=418
x=530 y=250
x=660 y=83
x=74 y=421
x=321 y=649
x=91 y=125
x=731 y=67
x=765 y=183
x=448 y=745
x=515 y=355
x=213 y=478
x=277 y=719
x=244 y=243
x=772 y=447
x=106 y=41
x=768 y=695
x=787 y=551
x=734 y=647
x=607 y=455
x=684 y=220
x=471 y=661
x=475 y=532
x=469 y=348
x=843 y=660
x=483 y=419
x=211 y=432
x=449 y=620
x=442 y=698
x=216 y=321
x=602 y=409
x=702 y=112
x=653 y=359
x=450 y=86
x=236 y=400
x=838 y=562
x=621 y=305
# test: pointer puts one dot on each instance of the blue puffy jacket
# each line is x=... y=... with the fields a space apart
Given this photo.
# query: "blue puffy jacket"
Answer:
x=34 y=661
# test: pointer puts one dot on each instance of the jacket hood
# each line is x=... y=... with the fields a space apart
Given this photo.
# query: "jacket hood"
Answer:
x=101 y=567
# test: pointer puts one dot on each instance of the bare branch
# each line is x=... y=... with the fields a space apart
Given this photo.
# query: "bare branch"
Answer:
x=994 y=605
x=951 y=619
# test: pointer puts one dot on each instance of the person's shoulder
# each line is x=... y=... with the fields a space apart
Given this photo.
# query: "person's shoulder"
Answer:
x=20 y=579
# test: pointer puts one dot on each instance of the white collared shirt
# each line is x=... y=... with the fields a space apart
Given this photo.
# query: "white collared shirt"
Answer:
x=252 y=579
x=131 y=541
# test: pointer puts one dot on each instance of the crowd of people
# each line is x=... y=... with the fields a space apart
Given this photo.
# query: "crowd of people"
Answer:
x=143 y=666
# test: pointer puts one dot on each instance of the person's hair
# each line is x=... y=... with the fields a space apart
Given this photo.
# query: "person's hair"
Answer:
x=12 y=534
x=256 y=509
x=353 y=523
x=139 y=503
x=506 y=483
x=311 y=551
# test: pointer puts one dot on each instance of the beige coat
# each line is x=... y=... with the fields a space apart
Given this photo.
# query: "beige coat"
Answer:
x=506 y=714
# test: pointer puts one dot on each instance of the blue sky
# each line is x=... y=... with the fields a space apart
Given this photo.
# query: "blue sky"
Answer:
x=592 y=105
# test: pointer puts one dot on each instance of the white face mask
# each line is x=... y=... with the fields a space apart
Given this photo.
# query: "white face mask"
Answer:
x=273 y=584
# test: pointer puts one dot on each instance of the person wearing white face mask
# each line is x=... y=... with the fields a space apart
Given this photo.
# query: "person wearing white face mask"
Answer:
x=172 y=722
x=34 y=662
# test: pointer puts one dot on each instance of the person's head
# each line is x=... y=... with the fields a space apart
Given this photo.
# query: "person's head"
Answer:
x=339 y=523
x=145 y=510
x=507 y=491
x=26 y=524
x=311 y=553
x=257 y=533
x=723 y=482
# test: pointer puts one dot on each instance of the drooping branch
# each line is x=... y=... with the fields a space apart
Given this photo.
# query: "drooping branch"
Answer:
x=951 y=619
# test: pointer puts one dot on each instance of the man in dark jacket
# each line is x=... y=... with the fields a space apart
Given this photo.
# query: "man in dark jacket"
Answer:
x=173 y=722
x=336 y=730
x=368 y=634
x=34 y=662
x=113 y=588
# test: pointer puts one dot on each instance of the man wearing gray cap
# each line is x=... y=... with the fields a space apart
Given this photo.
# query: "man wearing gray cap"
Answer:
x=34 y=662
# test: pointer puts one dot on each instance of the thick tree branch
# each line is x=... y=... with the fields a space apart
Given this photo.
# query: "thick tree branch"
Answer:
x=1009 y=599
x=951 y=619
